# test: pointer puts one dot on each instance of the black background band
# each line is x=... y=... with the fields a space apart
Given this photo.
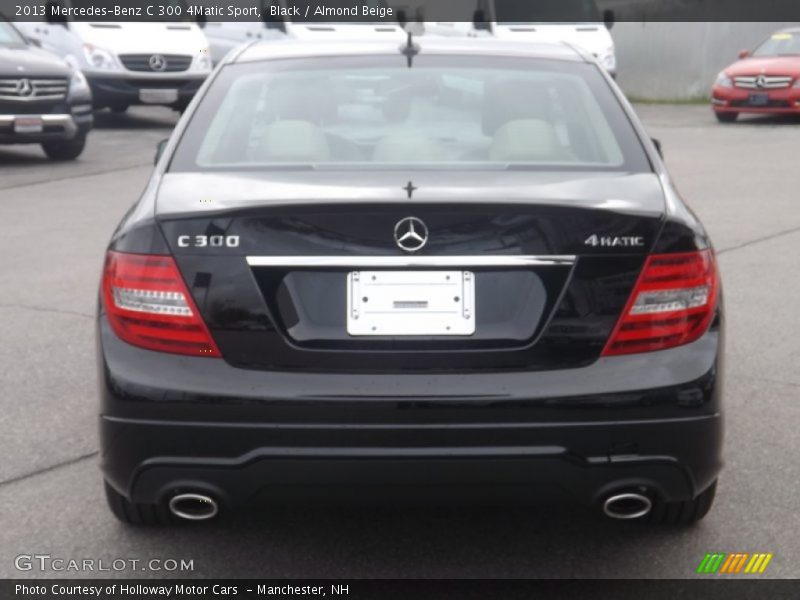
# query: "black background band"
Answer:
x=433 y=10
x=708 y=588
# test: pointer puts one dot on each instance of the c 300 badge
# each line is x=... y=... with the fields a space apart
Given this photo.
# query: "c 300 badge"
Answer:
x=208 y=241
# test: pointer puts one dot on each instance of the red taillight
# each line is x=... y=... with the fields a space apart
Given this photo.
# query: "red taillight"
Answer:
x=672 y=303
x=148 y=305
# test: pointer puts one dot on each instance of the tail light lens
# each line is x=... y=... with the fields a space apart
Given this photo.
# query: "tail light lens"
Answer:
x=148 y=305
x=672 y=303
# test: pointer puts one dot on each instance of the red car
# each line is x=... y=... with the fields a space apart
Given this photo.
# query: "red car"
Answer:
x=765 y=81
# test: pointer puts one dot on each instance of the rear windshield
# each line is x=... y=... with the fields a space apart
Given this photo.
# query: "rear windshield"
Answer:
x=440 y=113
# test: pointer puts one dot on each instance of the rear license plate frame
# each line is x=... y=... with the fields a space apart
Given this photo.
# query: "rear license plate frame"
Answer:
x=411 y=303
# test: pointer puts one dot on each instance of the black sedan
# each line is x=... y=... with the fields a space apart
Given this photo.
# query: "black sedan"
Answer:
x=42 y=100
x=452 y=271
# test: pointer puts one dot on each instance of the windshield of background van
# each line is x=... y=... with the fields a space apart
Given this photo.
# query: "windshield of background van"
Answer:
x=564 y=115
x=8 y=36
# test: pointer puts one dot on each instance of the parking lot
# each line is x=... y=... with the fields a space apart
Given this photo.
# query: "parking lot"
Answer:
x=56 y=218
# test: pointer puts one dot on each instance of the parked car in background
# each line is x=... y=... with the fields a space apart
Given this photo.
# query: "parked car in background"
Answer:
x=223 y=36
x=42 y=99
x=542 y=21
x=765 y=81
x=160 y=63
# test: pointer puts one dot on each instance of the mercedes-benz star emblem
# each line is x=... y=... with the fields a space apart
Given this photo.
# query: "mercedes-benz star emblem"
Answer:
x=761 y=81
x=410 y=234
x=158 y=62
x=24 y=88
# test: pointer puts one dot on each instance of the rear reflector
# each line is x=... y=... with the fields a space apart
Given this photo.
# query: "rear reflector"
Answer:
x=148 y=305
x=672 y=303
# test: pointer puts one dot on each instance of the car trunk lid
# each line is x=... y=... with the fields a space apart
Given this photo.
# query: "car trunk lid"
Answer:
x=267 y=258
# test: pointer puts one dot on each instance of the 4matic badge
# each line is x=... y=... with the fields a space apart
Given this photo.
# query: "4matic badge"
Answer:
x=608 y=241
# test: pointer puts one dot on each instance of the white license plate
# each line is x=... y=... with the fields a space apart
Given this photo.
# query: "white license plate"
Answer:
x=28 y=125
x=402 y=303
x=158 y=96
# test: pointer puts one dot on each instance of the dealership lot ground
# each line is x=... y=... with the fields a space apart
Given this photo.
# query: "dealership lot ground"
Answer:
x=56 y=218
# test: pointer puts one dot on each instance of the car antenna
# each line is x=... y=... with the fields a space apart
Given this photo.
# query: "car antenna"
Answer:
x=409 y=49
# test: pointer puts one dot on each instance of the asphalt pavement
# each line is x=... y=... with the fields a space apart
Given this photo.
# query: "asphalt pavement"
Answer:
x=56 y=218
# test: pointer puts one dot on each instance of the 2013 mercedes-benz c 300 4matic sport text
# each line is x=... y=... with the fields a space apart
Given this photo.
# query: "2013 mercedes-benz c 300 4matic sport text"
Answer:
x=446 y=270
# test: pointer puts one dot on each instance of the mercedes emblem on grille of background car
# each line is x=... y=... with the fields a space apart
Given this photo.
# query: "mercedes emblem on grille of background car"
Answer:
x=24 y=88
x=158 y=62
x=410 y=234
x=761 y=81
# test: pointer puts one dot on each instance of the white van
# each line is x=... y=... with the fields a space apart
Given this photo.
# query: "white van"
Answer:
x=576 y=22
x=223 y=36
x=129 y=63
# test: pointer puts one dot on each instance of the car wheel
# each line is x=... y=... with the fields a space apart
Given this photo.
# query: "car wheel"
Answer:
x=683 y=513
x=726 y=117
x=65 y=150
x=132 y=513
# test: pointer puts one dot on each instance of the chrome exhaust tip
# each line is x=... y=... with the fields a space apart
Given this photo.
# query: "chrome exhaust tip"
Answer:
x=627 y=506
x=193 y=507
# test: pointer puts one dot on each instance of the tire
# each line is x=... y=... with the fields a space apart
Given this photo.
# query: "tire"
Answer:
x=726 y=117
x=65 y=150
x=132 y=513
x=683 y=513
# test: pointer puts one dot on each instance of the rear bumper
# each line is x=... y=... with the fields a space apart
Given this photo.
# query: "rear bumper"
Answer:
x=172 y=423
x=581 y=462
